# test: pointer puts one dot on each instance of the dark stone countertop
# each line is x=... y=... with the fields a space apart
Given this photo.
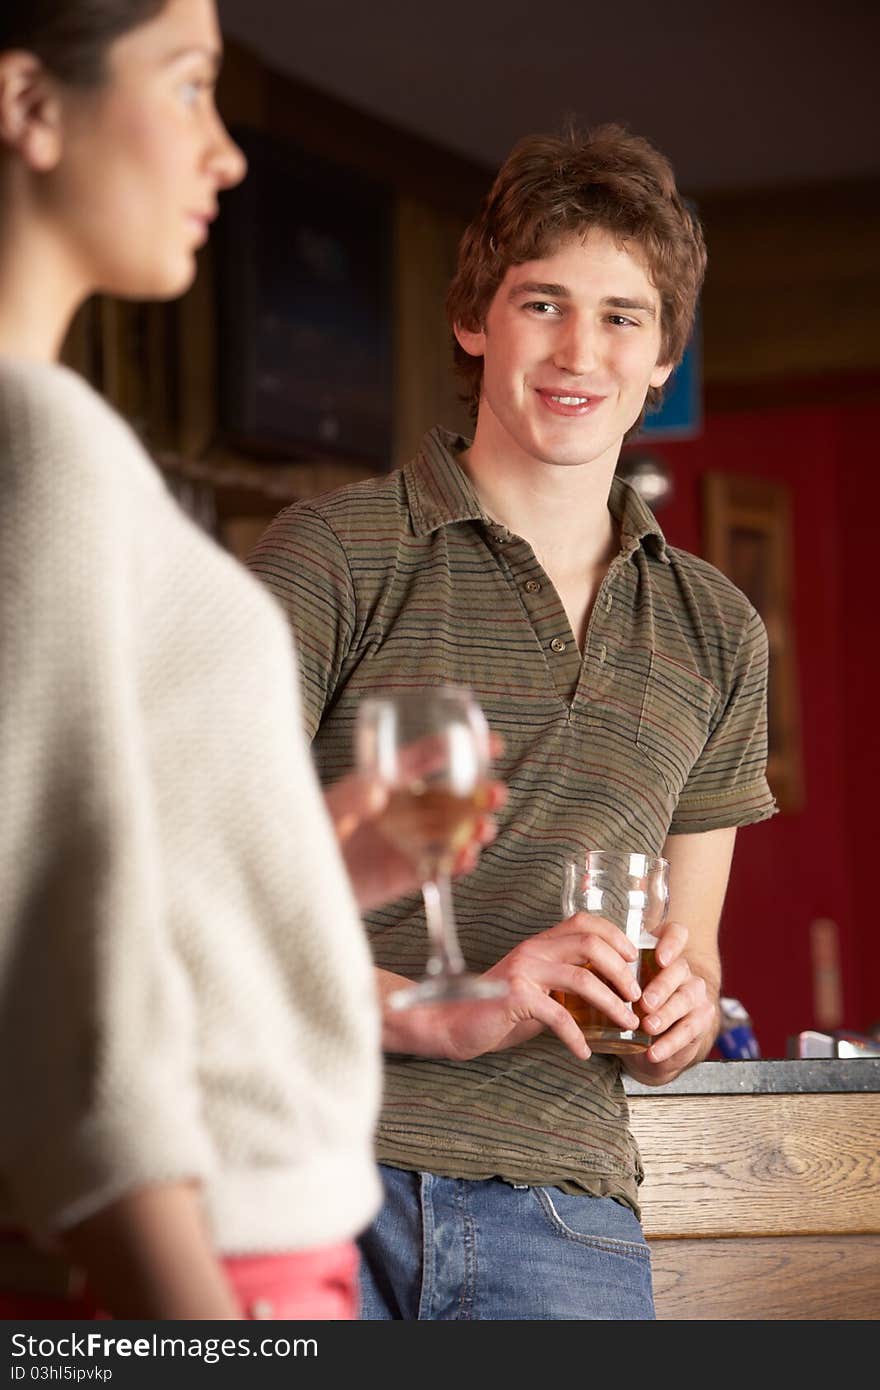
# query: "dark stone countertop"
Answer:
x=768 y=1077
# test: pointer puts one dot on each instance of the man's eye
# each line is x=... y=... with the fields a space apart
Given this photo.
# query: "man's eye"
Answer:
x=541 y=307
x=623 y=320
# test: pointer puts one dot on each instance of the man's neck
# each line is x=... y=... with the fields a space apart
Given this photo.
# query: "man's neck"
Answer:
x=562 y=510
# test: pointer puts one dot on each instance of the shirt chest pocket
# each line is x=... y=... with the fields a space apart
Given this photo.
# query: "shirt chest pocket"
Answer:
x=676 y=716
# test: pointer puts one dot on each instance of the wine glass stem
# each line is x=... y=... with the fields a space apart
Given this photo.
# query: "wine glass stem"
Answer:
x=446 y=958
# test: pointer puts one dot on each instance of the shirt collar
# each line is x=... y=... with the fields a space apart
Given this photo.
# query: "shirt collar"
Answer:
x=440 y=493
x=637 y=522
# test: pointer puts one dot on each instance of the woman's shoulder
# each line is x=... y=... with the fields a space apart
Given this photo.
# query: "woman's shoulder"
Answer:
x=46 y=401
x=46 y=387
x=53 y=422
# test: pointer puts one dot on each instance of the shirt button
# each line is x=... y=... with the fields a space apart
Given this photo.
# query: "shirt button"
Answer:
x=261 y=1309
x=609 y=599
x=532 y=586
x=603 y=652
x=557 y=645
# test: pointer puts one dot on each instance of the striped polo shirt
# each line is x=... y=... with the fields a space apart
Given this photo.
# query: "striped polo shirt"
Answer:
x=657 y=727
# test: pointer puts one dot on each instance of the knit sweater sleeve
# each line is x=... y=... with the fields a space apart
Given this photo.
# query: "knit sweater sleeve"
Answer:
x=81 y=879
x=184 y=988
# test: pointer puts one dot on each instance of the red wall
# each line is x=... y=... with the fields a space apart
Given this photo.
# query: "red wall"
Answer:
x=819 y=862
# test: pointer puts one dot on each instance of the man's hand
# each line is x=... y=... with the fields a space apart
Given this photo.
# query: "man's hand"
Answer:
x=681 y=1003
x=551 y=960
x=680 y=1008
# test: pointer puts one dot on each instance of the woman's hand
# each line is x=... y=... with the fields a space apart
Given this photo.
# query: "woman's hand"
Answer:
x=380 y=873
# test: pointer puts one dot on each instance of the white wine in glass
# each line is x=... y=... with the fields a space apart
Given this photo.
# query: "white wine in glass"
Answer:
x=430 y=749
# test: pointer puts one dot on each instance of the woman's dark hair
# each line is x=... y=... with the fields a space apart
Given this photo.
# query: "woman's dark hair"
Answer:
x=71 y=37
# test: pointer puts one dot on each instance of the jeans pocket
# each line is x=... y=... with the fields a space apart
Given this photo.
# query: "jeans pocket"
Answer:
x=599 y=1222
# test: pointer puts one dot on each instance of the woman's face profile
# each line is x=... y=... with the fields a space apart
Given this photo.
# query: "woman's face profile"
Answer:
x=143 y=157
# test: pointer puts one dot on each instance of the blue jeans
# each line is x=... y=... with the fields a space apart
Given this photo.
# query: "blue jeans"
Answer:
x=447 y=1249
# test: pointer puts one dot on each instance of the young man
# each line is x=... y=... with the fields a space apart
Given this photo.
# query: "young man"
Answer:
x=628 y=680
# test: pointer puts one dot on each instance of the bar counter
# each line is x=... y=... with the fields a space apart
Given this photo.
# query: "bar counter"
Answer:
x=761 y=1197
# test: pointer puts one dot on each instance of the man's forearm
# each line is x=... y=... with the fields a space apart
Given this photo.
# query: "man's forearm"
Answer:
x=707 y=969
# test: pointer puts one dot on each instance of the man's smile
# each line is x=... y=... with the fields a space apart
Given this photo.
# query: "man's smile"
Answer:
x=568 y=403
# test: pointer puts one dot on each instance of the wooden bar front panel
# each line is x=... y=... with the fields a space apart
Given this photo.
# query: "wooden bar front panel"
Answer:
x=762 y=1206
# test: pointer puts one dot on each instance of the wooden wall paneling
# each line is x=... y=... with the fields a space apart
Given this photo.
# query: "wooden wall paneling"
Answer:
x=82 y=344
x=793 y=281
x=129 y=353
x=759 y=1165
x=806 y=328
x=807 y=1277
x=160 y=366
x=196 y=360
x=427 y=389
x=116 y=382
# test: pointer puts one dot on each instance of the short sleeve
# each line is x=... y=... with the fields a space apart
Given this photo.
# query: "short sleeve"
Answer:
x=727 y=785
x=302 y=562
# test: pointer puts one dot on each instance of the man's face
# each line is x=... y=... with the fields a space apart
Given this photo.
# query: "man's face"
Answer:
x=570 y=347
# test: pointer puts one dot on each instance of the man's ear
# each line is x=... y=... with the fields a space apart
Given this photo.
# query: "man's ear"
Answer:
x=30 y=110
x=472 y=340
x=661 y=374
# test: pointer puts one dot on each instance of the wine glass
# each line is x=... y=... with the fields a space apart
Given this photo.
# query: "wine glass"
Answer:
x=430 y=749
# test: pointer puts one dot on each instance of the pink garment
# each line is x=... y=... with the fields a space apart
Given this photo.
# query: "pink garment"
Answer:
x=313 y=1284
x=308 y=1285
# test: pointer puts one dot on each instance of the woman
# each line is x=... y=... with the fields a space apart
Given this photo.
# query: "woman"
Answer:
x=188 y=1033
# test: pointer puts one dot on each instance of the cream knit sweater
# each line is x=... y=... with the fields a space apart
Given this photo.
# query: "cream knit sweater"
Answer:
x=185 y=989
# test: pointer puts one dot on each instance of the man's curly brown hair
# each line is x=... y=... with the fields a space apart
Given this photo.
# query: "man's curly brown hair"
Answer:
x=550 y=187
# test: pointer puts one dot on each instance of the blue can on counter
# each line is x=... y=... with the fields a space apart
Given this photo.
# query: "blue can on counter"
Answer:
x=736 y=1042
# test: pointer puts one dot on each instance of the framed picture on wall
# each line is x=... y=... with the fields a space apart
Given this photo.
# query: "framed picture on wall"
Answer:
x=747 y=525
x=304 y=295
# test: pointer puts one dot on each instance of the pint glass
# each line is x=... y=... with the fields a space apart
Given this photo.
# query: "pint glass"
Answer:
x=631 y=890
